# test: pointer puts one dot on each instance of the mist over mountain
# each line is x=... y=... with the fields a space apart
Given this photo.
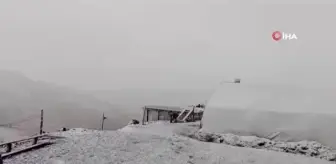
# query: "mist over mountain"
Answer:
x=171 y=97
x=22 y=99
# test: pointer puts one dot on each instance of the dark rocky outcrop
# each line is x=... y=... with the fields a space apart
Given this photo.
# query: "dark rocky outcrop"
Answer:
x=134 y=122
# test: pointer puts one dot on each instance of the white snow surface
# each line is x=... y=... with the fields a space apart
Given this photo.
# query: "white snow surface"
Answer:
x=298 y=113
x=157 y=143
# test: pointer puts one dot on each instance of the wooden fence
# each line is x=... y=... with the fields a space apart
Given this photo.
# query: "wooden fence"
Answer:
x=11 y=146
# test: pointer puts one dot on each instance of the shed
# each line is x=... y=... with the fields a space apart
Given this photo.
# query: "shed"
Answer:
x=156 y=112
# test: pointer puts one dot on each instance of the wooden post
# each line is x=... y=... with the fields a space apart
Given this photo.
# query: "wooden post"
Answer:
x=147 y=111
x=143 y=116
x=9 y=147
x=193 y=114
x=103 y=122
x=41 y=123
x=1 y=161
x=35 y=140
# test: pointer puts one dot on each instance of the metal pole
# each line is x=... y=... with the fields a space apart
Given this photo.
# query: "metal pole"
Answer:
x=103 y=122
x=41 y=123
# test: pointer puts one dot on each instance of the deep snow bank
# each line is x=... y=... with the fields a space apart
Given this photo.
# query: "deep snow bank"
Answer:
x=306 y=148
x=252 y=109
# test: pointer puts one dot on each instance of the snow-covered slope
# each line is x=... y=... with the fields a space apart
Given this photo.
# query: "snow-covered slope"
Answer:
x=152 y=144
x=298 y=113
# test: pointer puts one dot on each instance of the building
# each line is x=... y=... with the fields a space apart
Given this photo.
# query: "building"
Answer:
x=155 y=113
x=197 y=114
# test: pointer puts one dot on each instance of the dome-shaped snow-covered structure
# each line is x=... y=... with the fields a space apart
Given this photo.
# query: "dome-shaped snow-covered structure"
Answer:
x=296 y=113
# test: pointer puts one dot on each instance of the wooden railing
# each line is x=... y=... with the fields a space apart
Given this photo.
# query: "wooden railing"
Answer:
x=10 y=146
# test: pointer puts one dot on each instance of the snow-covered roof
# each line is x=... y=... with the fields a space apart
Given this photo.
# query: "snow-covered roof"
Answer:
x=167 y=108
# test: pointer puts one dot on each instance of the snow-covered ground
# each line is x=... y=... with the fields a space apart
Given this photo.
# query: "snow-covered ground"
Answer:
x=158 y=143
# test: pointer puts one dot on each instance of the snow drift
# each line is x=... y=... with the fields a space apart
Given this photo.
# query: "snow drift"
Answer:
x=153 y=144
x=253 y=109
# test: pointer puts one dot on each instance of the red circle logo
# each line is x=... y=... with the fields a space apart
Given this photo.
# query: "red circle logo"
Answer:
x=276 y=35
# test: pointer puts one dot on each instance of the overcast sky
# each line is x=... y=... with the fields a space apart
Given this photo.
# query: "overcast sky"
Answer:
x=112 y=44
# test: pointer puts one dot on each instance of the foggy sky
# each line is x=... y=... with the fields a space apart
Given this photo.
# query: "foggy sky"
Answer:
x=113 y=44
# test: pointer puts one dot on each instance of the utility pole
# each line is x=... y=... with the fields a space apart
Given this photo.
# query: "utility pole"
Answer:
x=41 y=123
x=104 y=118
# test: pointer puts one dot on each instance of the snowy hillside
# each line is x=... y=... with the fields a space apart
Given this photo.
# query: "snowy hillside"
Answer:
x=151 y=144
x=22 y=98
